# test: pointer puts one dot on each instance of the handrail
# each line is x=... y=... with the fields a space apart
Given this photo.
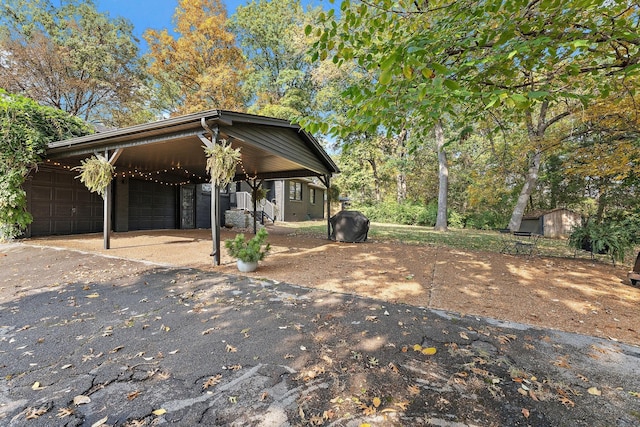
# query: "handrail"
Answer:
x=268 y=209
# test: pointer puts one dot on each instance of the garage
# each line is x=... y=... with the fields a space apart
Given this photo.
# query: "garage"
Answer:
x=160 y=172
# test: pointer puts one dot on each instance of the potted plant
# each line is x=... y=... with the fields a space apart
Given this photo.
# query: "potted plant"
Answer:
x=248 y=252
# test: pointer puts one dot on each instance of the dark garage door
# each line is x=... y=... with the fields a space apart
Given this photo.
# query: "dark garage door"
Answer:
x=152 y=206
x=61 y=204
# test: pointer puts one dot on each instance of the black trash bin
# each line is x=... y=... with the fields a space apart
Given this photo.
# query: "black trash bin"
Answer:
x=349 y=226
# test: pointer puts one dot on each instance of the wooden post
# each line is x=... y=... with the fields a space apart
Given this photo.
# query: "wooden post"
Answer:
x=107 y=216
x=326 y=180
x=108 y=200
x=215 y=223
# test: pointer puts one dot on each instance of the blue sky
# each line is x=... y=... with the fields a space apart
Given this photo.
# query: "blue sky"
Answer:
x=157 y=14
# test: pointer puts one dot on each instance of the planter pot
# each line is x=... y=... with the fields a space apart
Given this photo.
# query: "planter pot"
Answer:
x=247 y=267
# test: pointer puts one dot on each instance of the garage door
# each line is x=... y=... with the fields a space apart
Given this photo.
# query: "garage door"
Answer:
x=152 y=206
x=61 y=204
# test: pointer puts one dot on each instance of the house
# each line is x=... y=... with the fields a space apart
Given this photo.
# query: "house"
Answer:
x=289 y=200
x=160 y=179
x=555 y=223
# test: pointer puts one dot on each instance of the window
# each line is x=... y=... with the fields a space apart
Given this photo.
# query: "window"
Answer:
x=312 y=196
x=295 y=190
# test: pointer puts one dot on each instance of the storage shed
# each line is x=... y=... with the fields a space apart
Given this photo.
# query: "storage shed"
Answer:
x=556 y=223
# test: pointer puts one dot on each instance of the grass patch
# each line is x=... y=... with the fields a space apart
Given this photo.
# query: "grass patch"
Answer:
x=466 y=239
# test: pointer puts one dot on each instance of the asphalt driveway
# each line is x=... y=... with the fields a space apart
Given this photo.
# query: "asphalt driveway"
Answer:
x=89 y=340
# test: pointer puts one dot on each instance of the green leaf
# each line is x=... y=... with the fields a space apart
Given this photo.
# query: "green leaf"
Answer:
x=388 y=63
x=385 y=77
x=441 y=69
x=451 y=84
x=537 y=94
x=407 y=71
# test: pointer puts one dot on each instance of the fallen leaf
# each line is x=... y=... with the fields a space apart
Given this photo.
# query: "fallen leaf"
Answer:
x=93 y=295
x=429 y=351
x=562 y=362
x=65 y=366
x=464 y=336
x=594 y=391
x=100 y=422
x=231 y=349
x=81 y=399
x=174 y=352
x=159 y=412
x=417 y=347
x=36 y=386
x=116 y=349
x=371 y=318
x=64 y=412
x=133 y=395
x=264 y=396
x=376 y=402
x=413 y=390
x=567 y=402
x=368 y=410
x=212 y=381
x=525 y=412
x=33 y=413
x=403 y=405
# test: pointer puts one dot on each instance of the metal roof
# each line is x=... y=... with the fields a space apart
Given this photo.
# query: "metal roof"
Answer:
x=172 y=150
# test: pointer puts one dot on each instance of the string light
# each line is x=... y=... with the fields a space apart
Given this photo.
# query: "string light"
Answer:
x=152 y=176
x=246 y=174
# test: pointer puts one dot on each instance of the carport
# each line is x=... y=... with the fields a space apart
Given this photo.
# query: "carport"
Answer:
x=170 y=152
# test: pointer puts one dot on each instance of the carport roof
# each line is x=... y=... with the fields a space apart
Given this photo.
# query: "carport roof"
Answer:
x=172 y=150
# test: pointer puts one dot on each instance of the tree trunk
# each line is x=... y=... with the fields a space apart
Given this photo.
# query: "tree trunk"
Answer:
x=376 y=179
x=401 y=178
x=443 y=179
x=527 y=188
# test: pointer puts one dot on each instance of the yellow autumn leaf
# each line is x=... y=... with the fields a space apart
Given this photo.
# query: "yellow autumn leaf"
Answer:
x=594 y=391
x=159 y=412
x=417 y=347
x=376 y=401
x=93 y=295
x=429 y=351
x=365 y=425
x=36 y=386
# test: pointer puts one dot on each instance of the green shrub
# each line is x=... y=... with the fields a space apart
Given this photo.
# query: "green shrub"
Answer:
x=609 y=238
x=253 y=250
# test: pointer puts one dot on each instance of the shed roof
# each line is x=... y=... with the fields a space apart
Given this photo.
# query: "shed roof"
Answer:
x=172 y=150
x=540 y=213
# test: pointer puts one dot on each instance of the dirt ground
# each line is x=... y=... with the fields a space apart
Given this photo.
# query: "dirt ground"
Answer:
x=573 y=295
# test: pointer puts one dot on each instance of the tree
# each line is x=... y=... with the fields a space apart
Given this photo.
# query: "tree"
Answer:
x=72 y=58
x=279 y=76
x=25 y=129
x=202 y=67
x=536 y=62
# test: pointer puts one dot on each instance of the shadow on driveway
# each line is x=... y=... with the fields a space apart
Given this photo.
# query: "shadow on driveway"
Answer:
x=91 y=340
